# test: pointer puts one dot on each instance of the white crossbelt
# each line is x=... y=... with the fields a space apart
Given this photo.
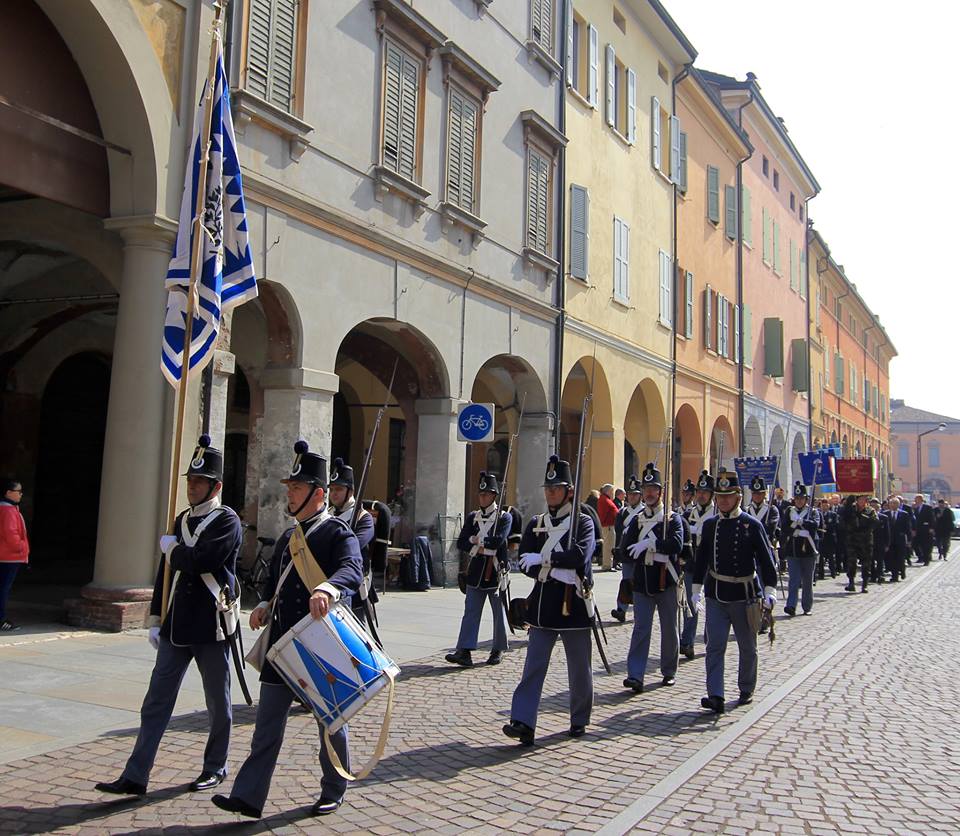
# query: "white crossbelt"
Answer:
x=483 y=524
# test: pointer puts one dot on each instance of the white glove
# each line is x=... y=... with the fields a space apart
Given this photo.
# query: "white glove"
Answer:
x=530 y=559
x=638 y=548
x=568 y=576
x=695 y=600
x=153 y=636
x=474 y=539
x=167 y=542
x=770 y=600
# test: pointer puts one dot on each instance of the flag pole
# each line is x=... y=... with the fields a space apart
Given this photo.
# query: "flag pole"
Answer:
x=195 y=267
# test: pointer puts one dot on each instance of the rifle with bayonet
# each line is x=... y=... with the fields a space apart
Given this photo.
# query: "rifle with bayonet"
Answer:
x=776 y=476
x=368 y=608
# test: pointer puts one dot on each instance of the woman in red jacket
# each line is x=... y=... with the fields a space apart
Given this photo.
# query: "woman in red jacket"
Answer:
x=14 y=548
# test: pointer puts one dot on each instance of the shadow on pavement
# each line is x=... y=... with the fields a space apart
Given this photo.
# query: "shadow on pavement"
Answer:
x=245 y=826
x=243 y=715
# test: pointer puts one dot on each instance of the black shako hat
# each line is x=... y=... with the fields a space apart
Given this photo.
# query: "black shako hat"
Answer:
x=727 y=483
x=758 y=484
x=207 y=461
x=651 y=476
x=488 y=482
x=307 y=467
x=633 y=484
x=706 y=482
x=341 y=474
x=558 y=473
x=688 y=486
x=799 y=489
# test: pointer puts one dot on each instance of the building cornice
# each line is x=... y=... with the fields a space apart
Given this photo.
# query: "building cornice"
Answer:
x=575 y=326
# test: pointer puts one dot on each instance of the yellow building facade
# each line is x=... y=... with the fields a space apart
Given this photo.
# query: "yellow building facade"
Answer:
x=622 y=162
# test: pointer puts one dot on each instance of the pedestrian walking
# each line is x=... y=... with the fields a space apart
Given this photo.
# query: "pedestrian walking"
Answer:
x=798 y=543
x=14 y=546
x=923 y=529
x=202 y=554
x=483 y=548
x=899 y=530
x=734 y=569
x=943 y=522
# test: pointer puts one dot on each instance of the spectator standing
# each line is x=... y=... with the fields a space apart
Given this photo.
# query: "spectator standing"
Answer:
x=607 y=512
x=943 y=520
x=14 y=548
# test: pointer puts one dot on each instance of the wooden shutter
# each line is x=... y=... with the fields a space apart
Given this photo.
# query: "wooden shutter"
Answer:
x=541 y=23
x=736 y=333
x=794 y=283
x=666 y=288
x=593 y=81
x=621 y=260
x=713 y=194
x=747 y=337
x=271 y=51
x=747 y=216
x=773 y=347
x=776 y=245
x=611 y=98
x=838 y=374
x=462 y=150
x=800 y=363
x=721 y=325
x=802 y=256
x=655 y=131
x=579 y=235
x=683 y=162
x=538 y=200
x=631 y=106
x=688 y=307
x=730 y=212
x=675 y=149
x=766 y=237
x=400 y=106
x=568 y=57
x=708 y=317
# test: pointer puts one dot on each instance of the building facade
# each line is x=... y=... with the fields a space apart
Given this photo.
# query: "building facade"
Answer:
x=924 y=454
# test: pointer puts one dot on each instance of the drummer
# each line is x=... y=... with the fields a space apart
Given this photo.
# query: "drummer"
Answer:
x=336 y=550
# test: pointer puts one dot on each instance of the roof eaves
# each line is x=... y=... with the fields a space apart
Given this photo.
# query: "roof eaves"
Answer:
x=675 y=30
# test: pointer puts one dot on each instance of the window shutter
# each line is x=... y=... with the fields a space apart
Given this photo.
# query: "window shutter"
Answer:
x=568 y=57
x=655 y=130
x=666 y=295
x=794 y=272
x=730 y=212
x=803 y=274
x=624 y=260
x=461 y=153
x=675 y=149
x=579 y=231
x=631 y=106
x=708 y=317
x=747 y=217
x=538 y=180
x=801 y=370
x=747 y=337
x=838 y=373
x=688 y=316
x=611 y=101
x=736 y=333
x=258 y=48
x=593 y=82
x=271 y=51
x=776 y=245
x=713 y=194
x=541 y=19
x=683 y=162
x=721 y=325
x=773 y=347
x=617 y=267
x=766 y=237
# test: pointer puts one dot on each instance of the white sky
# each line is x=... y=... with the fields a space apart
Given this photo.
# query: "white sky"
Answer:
x=868 y=93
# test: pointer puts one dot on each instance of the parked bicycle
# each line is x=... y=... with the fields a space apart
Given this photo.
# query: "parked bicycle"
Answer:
x=253 y=579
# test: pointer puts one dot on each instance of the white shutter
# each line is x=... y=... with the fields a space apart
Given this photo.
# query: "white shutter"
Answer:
x=631 y=106
x=625 y=260
x=541 y=23
x=736 y=333
x=747 y=337
x=721 y=347
x=392 y=87
x=579 y=231
x=593 y=82
x=655 y=130
x=675 y=149
x=688 y=316
x=611 y=86
x=616 y=257
x=666 y=315
x=568 y=58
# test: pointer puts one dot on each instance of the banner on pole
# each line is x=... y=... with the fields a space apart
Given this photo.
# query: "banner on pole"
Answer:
x=749 y=467
x=825 y=475
x=226 y=275
x=856 y=475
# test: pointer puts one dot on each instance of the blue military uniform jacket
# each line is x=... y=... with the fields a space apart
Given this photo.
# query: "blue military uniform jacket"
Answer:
x=192 y=611
x=364 y=531
x=769 y=516
x=646 y=578
x=796 y=545
x=734 y=546
x=496 y=540
x=624 y=516
x=545 y=603
x=337 y=551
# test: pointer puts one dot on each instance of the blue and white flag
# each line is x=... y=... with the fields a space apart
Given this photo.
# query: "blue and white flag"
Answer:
x=226 y=276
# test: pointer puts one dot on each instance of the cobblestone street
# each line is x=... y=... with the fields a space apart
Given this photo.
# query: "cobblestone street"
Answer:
x=852 y=730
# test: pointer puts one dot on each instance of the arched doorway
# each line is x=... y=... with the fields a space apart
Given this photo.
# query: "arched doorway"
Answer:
x=753 y=437
x=687 y=447
x=644 y=428
x=599 y=460
x=73 y=416
x=723 y=445
x=799 y=446
x=778 y=447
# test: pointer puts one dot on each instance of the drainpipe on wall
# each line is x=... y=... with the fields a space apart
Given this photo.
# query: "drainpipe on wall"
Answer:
x=561 y=226
x=806 y=264
x=741 y=391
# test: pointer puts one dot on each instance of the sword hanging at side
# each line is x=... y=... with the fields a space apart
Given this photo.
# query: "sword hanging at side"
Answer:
x=368 y=608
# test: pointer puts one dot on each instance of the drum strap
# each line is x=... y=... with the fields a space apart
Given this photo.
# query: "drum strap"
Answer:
x=381 y=742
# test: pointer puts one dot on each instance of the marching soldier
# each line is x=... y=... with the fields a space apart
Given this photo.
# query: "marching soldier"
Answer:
x=736 y=563
x=342 y=505
x=483 y=542
x=334 y=548
x=830 y=538
x=698 y=513
x=631 y=508
x=859 y=521
x=767 y=513
x=687 y=492
x=559 y=606
x=516 y=534
x=198 y=625
x=798 y=543
x=654 y=548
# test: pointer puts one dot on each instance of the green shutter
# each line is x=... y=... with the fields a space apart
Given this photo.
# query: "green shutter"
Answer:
x=747 y=337
x=766 y=237
x=800 y=361
x=838 y=374
x=776 y=245
x=773 y=347
x=747 y=217
x=579 y=220
x=713 y=194
x=730 y=212
x=707 y=317
x=683 y=162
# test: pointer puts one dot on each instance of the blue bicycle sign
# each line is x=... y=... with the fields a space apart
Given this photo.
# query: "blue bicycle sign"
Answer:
x=475 y=422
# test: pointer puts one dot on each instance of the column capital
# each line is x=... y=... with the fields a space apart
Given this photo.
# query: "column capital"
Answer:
x=149 y=231
x=224 y=362
x=300 y=378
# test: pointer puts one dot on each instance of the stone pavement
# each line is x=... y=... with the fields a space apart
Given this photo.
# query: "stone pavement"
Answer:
x=852 y=730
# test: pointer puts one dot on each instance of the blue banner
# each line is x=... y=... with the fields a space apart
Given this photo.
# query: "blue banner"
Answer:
x=749 y=467
x=825 y=474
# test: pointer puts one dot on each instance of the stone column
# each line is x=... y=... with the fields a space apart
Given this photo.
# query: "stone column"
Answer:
x=297 y=403
x=134 y=476
x=224 y=364
x=534 y=447
x=441 y=471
